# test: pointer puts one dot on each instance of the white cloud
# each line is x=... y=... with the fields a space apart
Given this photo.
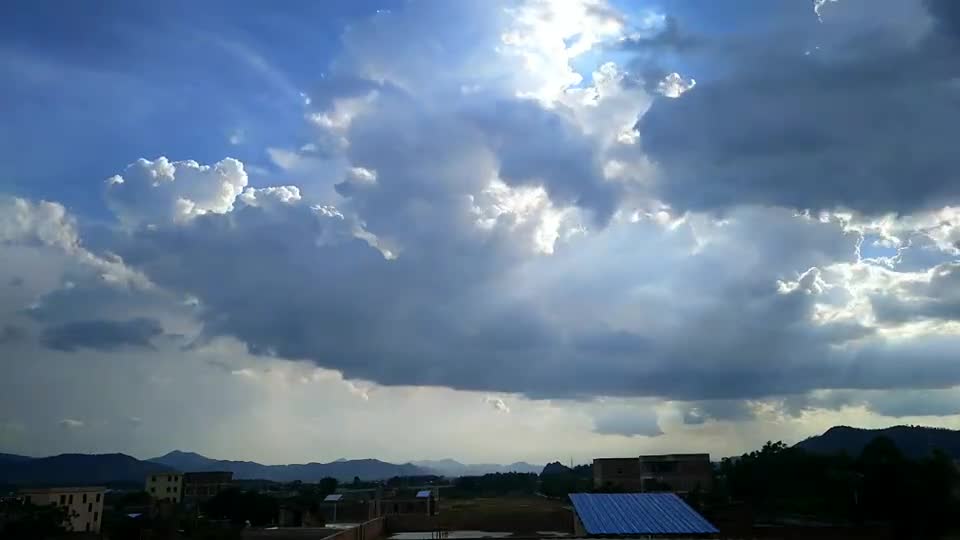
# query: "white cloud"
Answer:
x=674 y=85
x=71 y=423
x=161 y=191
x=497 y=403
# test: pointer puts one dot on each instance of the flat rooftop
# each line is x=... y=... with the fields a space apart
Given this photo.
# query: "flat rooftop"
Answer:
x=71 y=489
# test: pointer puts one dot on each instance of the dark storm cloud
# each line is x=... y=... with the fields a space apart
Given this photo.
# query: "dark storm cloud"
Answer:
x=718 y=330
x=864 y=121
x=669 y=37
x=101 y=334
x=627 y=422
x=938 y=298
x=536 y=146
x=10 y=333
x=698 y=311
x=698 y=412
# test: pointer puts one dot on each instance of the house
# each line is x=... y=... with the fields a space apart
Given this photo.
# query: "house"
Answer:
x=671 y=472
x=410 y=501
x=84 y=505
x=637 y=514
x=167 y=487
x=200 y=486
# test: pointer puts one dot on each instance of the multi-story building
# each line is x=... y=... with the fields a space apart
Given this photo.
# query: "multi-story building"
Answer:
x=200 y=486
x=676 y=472
x=84 y=505
x=167 y=487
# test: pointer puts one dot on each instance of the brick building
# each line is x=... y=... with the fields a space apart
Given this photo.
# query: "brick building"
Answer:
x=671 y=472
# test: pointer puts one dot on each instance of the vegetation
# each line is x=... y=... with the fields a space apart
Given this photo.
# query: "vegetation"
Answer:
x=565 y=481
x=880 y=485
x=496 y=484
x=22 y=520
x=239 y=507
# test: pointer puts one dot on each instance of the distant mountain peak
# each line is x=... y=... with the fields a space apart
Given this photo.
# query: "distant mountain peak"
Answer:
x=913 y=441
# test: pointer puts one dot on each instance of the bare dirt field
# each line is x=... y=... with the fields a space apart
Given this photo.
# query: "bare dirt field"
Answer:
x=518 y=514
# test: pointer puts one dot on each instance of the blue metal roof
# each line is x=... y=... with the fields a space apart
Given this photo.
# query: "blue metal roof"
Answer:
x=638 y=513
x=424 y=494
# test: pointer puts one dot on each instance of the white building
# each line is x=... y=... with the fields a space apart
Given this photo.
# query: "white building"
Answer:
x=84 y=505
x=166 y=486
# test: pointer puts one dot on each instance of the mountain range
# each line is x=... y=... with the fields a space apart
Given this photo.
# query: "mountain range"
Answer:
x=74 y=469
x=343 y=469
x=913 y=441
x=453 y=468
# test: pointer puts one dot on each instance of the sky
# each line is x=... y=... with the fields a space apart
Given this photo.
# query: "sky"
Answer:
x=487 y=230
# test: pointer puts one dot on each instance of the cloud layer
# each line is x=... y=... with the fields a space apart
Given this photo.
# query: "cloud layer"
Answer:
x=639 y=228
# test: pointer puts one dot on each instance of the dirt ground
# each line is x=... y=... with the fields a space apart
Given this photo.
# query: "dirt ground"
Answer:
x=524 y=514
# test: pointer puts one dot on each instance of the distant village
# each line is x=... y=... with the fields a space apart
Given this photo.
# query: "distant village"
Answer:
x=773 y=492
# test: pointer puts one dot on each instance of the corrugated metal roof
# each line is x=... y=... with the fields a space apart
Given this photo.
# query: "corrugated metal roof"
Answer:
x=638 y=513
x=423 y=494
x=333 y=498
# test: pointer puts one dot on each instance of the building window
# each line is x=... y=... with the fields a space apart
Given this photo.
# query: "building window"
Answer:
x=71 y=498
x=168 y=489
x=89 y=507
x=174 y=489
x=153 y=479
x=153 y=490
x=98 y=497
x=84 y=497
x=26 y=499
x=87 y=527
x=63 y=499
x=95 y=516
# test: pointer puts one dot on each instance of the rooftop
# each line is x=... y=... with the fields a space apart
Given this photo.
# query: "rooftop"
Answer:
x=72 y=489
x=625 y=514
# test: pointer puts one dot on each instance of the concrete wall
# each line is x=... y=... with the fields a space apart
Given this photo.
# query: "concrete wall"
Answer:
x=371 y=530
x=285 y=533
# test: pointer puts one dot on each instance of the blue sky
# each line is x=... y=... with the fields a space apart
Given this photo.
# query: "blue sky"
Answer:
x=587 y=227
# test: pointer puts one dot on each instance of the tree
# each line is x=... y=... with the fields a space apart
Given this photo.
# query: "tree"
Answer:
x=242 y=506
x=328 y=485
x=29 y=521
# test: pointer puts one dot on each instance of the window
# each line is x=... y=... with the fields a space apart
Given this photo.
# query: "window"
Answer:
x=26 y=499
x=89 y=507
x=98 y=497
x=168 y=489
x=71 y=498
x=63 y=499
x=153 y=490
x=84 y=497
x=87 y=527
x=95 y=516
x=154 y=479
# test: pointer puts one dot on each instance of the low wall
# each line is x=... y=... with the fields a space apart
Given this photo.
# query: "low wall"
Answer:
x=411 y=523
x=370 y=530
x=287 y=533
